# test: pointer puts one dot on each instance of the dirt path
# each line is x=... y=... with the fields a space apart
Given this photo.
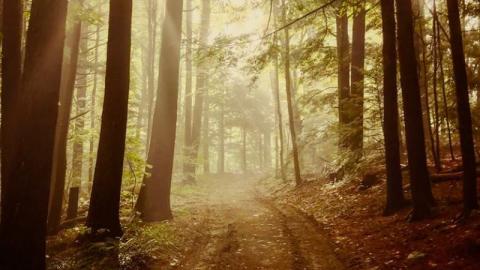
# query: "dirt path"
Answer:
x=245 y=231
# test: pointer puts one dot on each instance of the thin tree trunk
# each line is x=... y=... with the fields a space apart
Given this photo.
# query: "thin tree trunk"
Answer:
x=154 y=200
x=417 y=161
x=61 y=132
x=35 y=110
x=244 y=150
x=79 y=126
x=221 y=139
x=357 y=79
x=152 y=45
x=463 y=108
x=343 y=76
x=206 y=135
x=187 y=148
x=296 y=162
x=278 y=105
x=93 y=111
x=105 y=199
x=395 y=199
x=201 y=90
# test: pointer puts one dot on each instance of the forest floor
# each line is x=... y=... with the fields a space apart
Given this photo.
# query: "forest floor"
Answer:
x=244 y=222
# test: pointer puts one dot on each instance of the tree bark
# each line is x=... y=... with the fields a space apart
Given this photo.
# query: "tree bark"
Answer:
x=154 y=199
x=93 y=109
x=105 y=198
x=463 y=108
x=395 y=199
x=35 y=110
x=357 y=79
x=420 y=184
x=343 y=57
x=12 y=26
x=288 y=83
x=61 y=131
x=151 y=53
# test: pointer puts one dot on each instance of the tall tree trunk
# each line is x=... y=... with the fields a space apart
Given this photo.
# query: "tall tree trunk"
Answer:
x=278 y=105
x=154 y=199
x=12 y=26
x=395 y=199
x=357 y=78
x=221 y=137
x=61 y=132
x=81 y=95
x=206 y=135
x=463 y=108
x=201 y=90
x=267 y=149
x=187 y=147
x=103 y=212
x=296 y=162
x=343 y=57
x=35 y=110
x=244 y=149
x=152 y=50
x=417 y=160
x=93 y=111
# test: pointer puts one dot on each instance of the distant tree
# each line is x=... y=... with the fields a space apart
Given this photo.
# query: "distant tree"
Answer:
x=103 y=212
x=276 y=94
x=61 y=132
x=470 y=200
x=395 y=199
x=201 y=89
x=187 y=147
x=34 y=108
x=154 y=199
x=417 y=161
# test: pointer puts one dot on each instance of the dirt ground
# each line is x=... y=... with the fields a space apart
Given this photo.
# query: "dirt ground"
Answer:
x=245 y=230
x=245 y=222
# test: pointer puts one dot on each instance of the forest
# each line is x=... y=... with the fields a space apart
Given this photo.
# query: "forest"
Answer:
x=240 y=134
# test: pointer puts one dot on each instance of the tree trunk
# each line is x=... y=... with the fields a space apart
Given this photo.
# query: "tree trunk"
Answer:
x=343 y=76
x=105 y=199
x=61 y=132
x=12 y=26
x=288 y=83
x=417 y=161
x=395 y=199
x=201 y=89
x=267 y=149
x=152 y=50
x=206 y=135
x=93 y=111
x=463 y=108
x=154 y=199
x=278 y=105
x=221 y=139
x=244 y=150
x=357 y=79
x=77 y=153
x=35 y=110
x=187 y=148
